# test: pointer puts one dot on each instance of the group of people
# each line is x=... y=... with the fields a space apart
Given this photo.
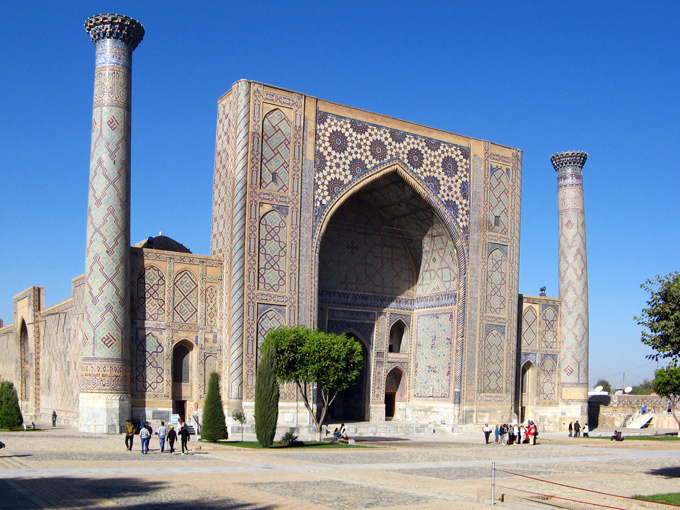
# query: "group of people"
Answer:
x=145 y=433
x=512 y=434
x=575 y=429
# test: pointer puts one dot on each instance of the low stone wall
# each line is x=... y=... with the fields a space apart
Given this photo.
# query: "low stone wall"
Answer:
x=610 y=411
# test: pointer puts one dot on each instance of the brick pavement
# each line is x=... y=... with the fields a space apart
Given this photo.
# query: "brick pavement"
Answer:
x=61 y=468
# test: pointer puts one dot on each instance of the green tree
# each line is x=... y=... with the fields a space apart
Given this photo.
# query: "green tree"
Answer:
x=240 y=417
x=306 y=358
x=646 y=387
x=214 y=424
x=606 y=385
x=661 y=318
x=266 y=396
x=667 y=384
x=10 y=412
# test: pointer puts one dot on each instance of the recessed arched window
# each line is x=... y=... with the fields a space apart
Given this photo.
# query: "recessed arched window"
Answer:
x=180 y=364
x=25 y=360
x=398 y=337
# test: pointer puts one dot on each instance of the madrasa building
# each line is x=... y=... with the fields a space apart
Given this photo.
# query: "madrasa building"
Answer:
x=402 y=236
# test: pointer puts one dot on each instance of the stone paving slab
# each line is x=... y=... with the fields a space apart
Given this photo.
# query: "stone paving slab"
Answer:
x=62 y=468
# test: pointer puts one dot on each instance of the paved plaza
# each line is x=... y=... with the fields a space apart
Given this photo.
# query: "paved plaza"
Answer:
x=62 y=468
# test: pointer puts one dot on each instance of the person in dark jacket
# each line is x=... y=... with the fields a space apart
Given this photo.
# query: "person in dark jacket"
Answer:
x=172 y=437
x=184 y=436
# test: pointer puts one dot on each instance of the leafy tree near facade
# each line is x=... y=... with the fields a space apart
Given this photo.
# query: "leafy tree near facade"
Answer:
x=606 y=385
x=646 y=387
x=661 y=318
x=667 y=384
x=10 y=412
x=266 y=396
x=214 y=424
x=306 y=358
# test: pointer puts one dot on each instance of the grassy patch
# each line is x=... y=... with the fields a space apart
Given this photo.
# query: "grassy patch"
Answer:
x=21 y=429
x=307 y=444
x=671 y=497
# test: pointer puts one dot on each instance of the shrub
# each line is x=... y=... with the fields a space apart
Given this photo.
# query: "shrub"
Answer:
x=289 y=438
x=214 y=426
x=10 y=412
x=266 y=397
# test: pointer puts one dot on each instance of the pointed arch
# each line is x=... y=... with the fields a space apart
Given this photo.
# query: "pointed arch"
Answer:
x=181 y=362
x=26 y=361
x=395 y=391
x=412 y=180
x=398 y=339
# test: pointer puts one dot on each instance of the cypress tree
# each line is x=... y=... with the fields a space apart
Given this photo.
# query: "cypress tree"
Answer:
x=214 y=425
x=266 y=397
x=10 y=412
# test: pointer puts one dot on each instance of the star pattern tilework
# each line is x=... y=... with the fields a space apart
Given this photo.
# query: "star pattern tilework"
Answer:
x=348 y=149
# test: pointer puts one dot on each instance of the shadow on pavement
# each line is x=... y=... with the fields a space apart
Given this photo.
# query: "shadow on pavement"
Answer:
x=666 y=472
x=130 y=493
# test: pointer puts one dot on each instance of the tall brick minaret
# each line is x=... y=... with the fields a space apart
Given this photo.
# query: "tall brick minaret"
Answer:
x=105 y=376
x=573 y=281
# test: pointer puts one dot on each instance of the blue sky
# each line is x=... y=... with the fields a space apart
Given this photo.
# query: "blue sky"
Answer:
x=540 y=76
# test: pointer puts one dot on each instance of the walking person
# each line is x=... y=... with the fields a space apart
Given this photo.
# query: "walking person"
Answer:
x=184 y=436
x=54 y=418
x=571 y=429
x=129 y=434
x=144 y=435
x=487 y=432
x=497 y=433
x=172 y=437
x=586 y=430
x=577 y=429
x=162 y=432
x=518 y=435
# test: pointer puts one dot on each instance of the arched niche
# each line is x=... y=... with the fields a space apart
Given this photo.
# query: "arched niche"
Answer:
x=527 y=392
x=25 y=361
x=398 y=339
x=395 y=391
x=182 y=371
x=352 y=403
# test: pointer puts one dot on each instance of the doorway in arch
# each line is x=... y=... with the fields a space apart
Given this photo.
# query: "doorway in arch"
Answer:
x=351 y=404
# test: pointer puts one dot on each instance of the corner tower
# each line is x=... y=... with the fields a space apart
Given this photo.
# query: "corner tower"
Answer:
x=105 y=379
x=573 y=281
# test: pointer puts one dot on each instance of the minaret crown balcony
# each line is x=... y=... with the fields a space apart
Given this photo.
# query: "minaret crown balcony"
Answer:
x=115 y=26
x=569 y=159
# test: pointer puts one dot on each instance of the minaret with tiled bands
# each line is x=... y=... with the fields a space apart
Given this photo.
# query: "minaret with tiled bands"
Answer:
x=105 y=376
x=573 y=281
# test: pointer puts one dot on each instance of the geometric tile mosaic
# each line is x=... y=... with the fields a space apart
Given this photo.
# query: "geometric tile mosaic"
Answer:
x=185 y=297
x=433 y=353
x=347 y=149
x=275 y=152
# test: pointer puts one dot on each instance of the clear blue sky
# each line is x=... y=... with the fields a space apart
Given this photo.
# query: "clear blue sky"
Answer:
x=544 y=77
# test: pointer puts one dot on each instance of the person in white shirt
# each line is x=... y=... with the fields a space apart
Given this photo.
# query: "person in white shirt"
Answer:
x=144 y=435
x=162 y=432
x=487 y=432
